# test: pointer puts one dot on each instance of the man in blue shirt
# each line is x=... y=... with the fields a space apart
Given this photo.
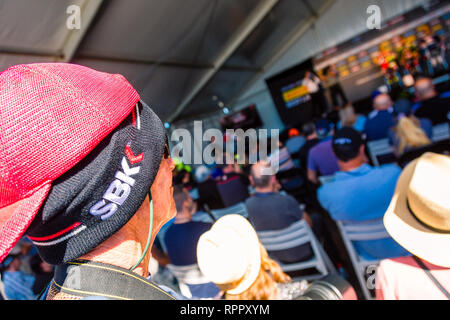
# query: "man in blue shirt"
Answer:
x=381 y=119
x=18 y=285
x=360 y=192
x=181 y=240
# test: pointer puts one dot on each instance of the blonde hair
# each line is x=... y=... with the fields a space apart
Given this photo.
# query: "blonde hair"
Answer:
x=265 y=285
x=347 y=116
x=410 y=134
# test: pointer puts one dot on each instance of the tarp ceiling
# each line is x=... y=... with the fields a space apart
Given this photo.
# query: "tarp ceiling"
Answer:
x=179 y=54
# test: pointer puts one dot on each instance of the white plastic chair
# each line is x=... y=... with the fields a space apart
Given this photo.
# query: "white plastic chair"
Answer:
x=361 y=231
x=378 y=148
x=326 y=179
x=239 y=208
x=441 y=132
x=185 y=275
x=2 y=289
x=295 y=235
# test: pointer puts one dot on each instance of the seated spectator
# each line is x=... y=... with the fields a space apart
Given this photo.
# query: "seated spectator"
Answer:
x=43 y=273
x=282 y=157
x=184 y=177
x=269 y=210
x=409 y=132
x=207 y=189
x=17 y=284
x=430 y=105
x=231 y=256
x=380 y=120
x=321 y=159
x=348 y=118
x=418 y=218
x=295 y=141
x=182 y=236
x=360 y=192
x=309 y=130
x=233 y=184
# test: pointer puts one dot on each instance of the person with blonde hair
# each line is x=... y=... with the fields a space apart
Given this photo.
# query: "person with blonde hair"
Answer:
x=231 y=255
x=409 y=132
x=409 y=135
x=348 y=118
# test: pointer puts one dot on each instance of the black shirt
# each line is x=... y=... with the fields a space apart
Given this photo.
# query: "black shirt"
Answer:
x=435 y=109
x=304 y=150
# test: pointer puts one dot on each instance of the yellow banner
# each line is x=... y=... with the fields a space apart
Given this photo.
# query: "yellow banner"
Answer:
x=295 y=93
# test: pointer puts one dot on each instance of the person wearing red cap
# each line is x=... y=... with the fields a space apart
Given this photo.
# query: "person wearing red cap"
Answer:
x=86 y=175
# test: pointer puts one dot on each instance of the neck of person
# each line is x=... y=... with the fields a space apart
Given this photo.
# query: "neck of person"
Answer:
x=268 y=189
x=125 y=247
x=351 y=164
x=311 y=136
x=183 y=217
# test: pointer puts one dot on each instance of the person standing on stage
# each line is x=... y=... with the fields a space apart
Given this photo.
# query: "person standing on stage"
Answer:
x=332 y=83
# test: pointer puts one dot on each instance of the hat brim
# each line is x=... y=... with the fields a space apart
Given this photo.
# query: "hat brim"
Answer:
x=404 y=228
x=17 y=217
x=251 y=238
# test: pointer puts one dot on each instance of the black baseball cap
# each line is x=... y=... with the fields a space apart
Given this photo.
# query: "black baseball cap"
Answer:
x=346 y=143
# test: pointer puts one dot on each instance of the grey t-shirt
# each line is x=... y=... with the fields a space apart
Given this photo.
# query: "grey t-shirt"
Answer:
x=274 y=211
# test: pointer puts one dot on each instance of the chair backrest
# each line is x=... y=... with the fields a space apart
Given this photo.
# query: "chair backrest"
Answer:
x=360 y=231
x=441 y=132
x=440 y=147
x=379 y=148
x=325 y=179
x=365 y=230
x=239 y=208
x=297 y=234
x=2 y=290
x=232 y=191
x=189 y=274
x=293 y=236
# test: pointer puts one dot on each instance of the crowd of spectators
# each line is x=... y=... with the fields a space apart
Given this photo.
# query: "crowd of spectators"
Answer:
x=228 y=251
x=357 y=190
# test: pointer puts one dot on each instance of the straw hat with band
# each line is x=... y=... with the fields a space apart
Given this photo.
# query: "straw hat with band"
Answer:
x=418 y=217
x=229 y=254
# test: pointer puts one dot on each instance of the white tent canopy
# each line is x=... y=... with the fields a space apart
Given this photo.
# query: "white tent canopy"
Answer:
x=181 y=54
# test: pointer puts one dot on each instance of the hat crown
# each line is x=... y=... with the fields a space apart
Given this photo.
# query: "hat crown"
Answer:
x=227 y=255
x=52 y=116
x=428 y=192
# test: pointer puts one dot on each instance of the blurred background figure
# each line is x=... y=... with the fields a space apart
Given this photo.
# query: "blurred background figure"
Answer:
x=348 y=118
x=295 y=141
x=380 y=120
x=181 y=240
x=231 y=256
x=338 y=97
x=360 y=192
x=430 y=105
x=408 y=131
x=321 y=159
x=268 y=209
x=18 y=285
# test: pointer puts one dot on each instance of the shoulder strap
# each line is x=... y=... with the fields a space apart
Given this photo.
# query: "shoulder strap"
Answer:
x=87 y=278
x=435 y=281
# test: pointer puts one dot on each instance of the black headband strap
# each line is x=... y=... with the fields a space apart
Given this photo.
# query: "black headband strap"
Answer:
x=423 y=223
